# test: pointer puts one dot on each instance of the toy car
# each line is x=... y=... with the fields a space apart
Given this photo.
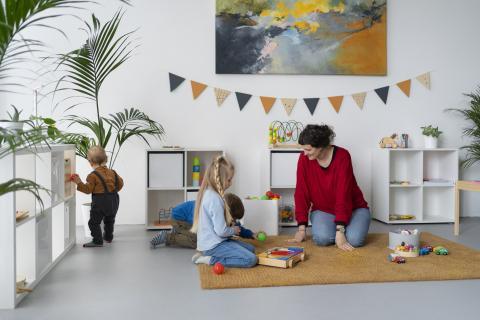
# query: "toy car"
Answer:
x=430 y=248
x=440 y=250
x=398 y=259
x=424 y=251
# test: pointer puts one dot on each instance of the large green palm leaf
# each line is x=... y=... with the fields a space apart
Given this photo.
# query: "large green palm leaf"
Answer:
x=132 y=123
x=103 y=52
x=472 y=115
x=18 y=184
x=18 y=15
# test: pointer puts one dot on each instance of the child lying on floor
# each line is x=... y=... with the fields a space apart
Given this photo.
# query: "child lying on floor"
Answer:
x=182 y=220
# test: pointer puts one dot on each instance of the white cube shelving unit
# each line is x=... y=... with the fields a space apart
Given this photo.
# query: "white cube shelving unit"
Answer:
x=283 y=177
x=430 y=192
x=30 y=248
x=169 y=180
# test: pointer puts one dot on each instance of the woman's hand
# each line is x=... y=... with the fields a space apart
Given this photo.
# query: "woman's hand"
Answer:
x=342 y=243
x=300 y=235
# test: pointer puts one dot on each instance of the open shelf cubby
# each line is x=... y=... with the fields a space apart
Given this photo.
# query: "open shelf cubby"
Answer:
x=418 y=182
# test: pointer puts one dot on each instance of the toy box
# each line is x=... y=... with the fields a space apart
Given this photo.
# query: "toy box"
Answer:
x=409 y=237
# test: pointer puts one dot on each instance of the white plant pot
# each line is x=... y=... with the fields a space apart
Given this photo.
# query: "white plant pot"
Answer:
x=430 y=142
x=85 y=217
x=12 y=125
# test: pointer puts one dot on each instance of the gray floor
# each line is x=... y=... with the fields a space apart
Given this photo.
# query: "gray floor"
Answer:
x=127 y=280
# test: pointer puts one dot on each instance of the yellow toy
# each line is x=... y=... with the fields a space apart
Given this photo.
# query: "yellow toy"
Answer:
x=389 y=142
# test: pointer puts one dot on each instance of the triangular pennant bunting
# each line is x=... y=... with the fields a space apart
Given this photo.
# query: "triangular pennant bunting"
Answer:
x=267 y=103
x=359 y=99
x=336 y=102
x=242 y=99
x=405 y=87
x=383 y=93
x=425 y=80
x=221 y=95
x=175 y=81
x=288 y=104
x=197 y=88
x=311 y=104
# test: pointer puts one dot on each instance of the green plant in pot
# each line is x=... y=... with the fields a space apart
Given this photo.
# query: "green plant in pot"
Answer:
x=431 y=135
x=17 y=17
x=472 y=115
x=86 y=69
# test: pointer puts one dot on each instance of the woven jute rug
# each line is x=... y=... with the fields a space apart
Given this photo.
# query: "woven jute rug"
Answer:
x=330 y=265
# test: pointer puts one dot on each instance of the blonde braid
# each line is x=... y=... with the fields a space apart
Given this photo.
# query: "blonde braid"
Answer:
x=228 y=216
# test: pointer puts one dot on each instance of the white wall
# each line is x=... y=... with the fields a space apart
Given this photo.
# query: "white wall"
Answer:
x=179 y=36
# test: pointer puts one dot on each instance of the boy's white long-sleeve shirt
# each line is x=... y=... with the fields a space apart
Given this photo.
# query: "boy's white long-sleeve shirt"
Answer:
x=212 y=227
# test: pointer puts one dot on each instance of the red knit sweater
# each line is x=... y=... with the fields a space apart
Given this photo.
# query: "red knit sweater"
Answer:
x=333 y=189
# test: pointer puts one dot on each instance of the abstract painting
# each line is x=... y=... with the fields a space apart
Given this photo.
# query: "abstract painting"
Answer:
x=338 y=37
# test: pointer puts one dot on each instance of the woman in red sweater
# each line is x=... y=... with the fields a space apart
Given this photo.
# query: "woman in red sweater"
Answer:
x=327 y=189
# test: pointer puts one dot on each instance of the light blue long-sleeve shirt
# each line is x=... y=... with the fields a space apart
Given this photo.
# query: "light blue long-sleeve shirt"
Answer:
x=212 y=227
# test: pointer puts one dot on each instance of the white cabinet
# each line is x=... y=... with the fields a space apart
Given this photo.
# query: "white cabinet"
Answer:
x=170 y=181
x=31 y=247
x=283 y=180
x=417 y=182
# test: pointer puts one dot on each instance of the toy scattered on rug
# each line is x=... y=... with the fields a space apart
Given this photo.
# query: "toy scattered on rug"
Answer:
x=401 y=217
x=269 y=195
x=218 y=268
x=261 y=236
x=281 y=257
x=393 y=257
x=425 y=250
x=439 y=250
x=287 y=214
x=406 y=250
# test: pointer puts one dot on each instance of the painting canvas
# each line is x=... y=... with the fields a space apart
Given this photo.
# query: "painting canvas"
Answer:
x=341 y=37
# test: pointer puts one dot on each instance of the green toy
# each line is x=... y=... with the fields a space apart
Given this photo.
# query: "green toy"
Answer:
x=261 y=236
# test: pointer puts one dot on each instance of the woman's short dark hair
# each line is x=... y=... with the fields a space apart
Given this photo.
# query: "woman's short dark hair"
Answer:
x=318 y=136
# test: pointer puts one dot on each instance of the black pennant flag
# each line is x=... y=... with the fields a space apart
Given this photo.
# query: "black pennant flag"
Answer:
x=175 y=81
x=311 y=104
x=242 y=99
x=383 y=93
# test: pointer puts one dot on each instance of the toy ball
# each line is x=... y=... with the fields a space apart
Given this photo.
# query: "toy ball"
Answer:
x=218 y=268
x=264 y=197
x=261 y=236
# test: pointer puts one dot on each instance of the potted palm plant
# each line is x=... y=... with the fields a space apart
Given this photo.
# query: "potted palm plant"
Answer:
x=85 y=71
x=17 y=17
x=472 y=115
x=431 y=135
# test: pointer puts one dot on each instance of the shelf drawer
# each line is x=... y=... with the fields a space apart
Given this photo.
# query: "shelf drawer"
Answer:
x=284 y=168
x=165 y=169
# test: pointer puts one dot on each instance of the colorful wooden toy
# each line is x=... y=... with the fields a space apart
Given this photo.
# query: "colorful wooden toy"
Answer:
x=281 y=257
x=439 y=250
x=218 y=268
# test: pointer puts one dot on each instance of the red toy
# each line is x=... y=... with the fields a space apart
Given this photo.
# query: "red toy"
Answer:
x=218 y=268
x=72 y=176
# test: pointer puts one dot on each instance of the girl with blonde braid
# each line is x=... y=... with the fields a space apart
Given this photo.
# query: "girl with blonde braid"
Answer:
x=213 y=221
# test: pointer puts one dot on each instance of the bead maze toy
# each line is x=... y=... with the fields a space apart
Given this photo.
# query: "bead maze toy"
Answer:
x=284 y=134
x=281 y=257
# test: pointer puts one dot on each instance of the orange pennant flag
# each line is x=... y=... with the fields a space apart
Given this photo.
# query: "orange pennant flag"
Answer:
x=197 y=88
x=425 y=80
x=288 y=104
x=405 y=87
x=221 y=95
x=267 y=103
x=336 y=102
x=359 y=99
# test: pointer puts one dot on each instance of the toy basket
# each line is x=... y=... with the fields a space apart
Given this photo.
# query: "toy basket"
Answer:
x=396 y=238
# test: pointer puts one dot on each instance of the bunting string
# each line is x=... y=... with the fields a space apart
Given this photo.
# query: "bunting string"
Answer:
x=290 y=103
